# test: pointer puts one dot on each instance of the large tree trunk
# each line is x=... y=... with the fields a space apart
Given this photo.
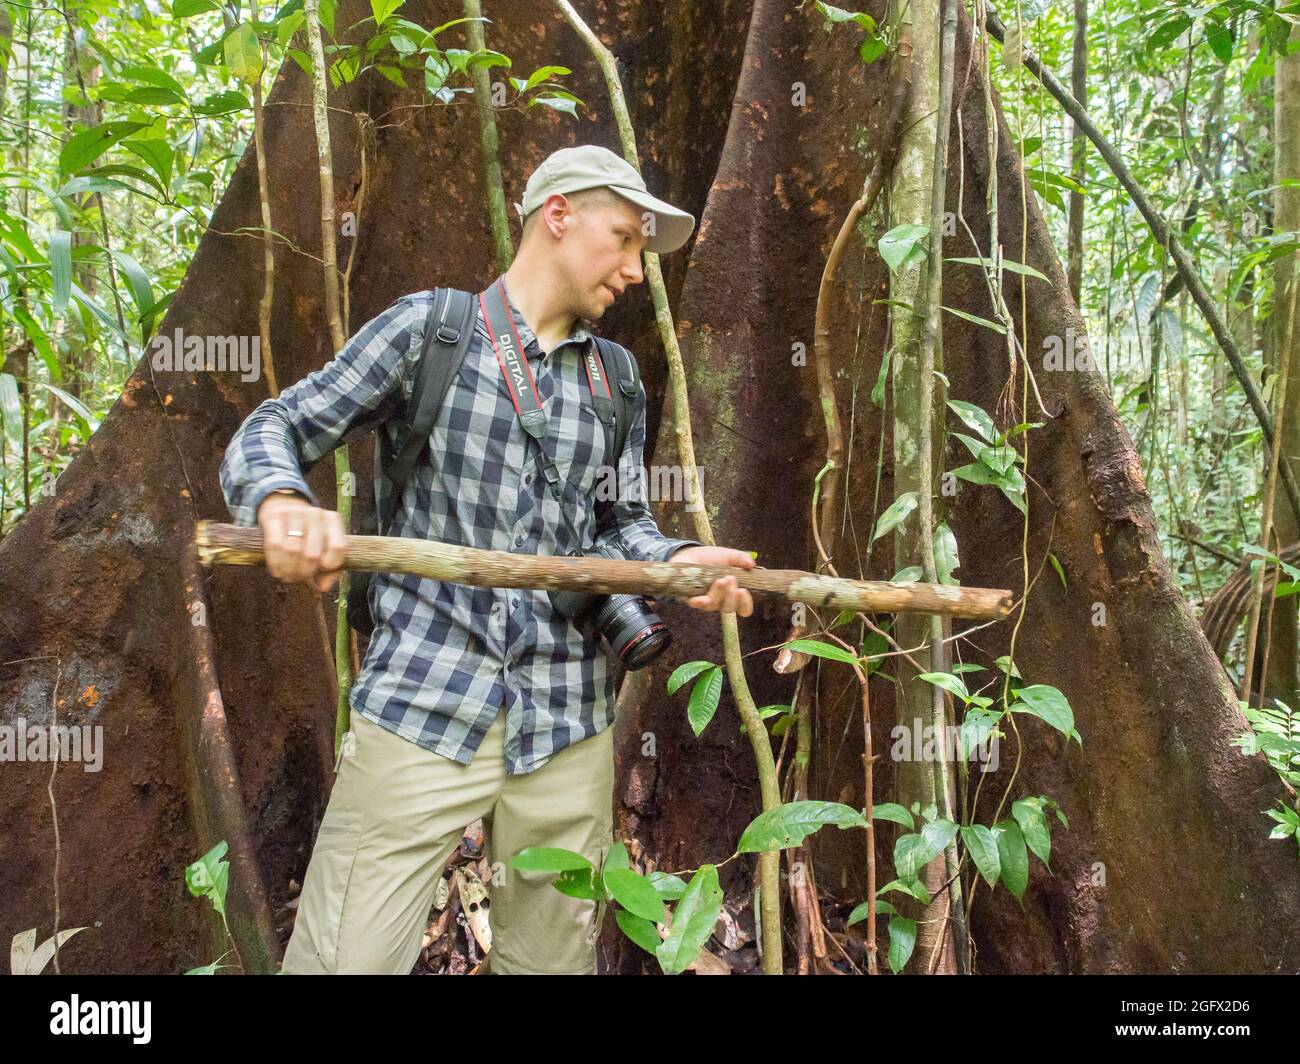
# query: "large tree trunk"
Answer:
x=222 y=729
x=1278 y=641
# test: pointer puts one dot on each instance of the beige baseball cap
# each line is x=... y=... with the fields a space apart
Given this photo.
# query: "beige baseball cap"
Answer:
x=591 y=166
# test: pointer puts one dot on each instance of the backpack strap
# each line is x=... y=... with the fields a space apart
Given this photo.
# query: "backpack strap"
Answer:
x=615 y=409
x=448 y=330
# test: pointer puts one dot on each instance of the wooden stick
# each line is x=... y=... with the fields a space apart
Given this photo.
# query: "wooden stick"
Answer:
x=238 y=545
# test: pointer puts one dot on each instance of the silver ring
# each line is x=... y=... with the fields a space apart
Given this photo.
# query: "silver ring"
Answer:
x=294 y=532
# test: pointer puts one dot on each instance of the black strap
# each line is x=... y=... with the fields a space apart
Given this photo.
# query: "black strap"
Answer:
x=449 y=326
x=611 y=403
x=624 y=395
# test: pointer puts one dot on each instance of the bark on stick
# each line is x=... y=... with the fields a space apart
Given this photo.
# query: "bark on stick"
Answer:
x=239 y=545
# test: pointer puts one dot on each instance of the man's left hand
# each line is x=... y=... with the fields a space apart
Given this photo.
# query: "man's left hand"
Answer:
x=724 y=594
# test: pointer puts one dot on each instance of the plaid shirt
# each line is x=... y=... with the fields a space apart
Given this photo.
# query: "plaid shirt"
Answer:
x=445 y=657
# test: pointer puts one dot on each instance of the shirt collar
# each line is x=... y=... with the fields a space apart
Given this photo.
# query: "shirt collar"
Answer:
x=579 y=334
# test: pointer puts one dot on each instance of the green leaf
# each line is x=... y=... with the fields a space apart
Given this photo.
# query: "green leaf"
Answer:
x=872 y=48
x=635 y=893
x=704 y=699
x=138 y=283
x=1028 y=813
x=909 y=575
x=616 y=857
x=11 y=411
x=913 y=888
x=151 y=96
x=209 y=876
x=1056 y=564
x=134 y=172
x=381 y=9
x=668 y=886
x=89 y=144
x=555 y=102
x=945 y=554
x=243 y=53
x=895 y=515
x=584 y=883
x=544 y=74
x=186 y=8
x=153 y=75
x=838 y=14
x=938 y=835
x=894 y=812
x=953 y=684
x=1048 y=704
x=882 y=377
x=976 y=419
x=548 y=859
x=977 y=473
x=1167 y=32
x=685 y=672
x=899 y=247
x=222 y=103
x=818 y=649
x=157 y=153
x=1007 y=264
x=693 y=921
x=788 y=824
x=61 y=268
x=1012 y=856
x=638 y=929
x=902 y=940
x=982 y=845
x=1219 y=38
x=76 y=186
x=976 y=319
x=976 y=727
x=911 y=854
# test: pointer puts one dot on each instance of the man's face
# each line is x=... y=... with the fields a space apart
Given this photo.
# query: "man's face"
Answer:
x=600 y=254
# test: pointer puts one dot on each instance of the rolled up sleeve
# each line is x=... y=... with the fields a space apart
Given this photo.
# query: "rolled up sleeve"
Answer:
x=285 y=436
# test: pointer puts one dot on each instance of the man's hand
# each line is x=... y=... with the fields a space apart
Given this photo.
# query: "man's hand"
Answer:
x=724 y=594
x=302 y=542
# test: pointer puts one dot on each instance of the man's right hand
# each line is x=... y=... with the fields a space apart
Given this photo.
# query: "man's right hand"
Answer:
x=302 y=542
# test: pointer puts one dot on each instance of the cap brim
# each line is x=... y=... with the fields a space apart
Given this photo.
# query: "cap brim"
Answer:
x=673 y=227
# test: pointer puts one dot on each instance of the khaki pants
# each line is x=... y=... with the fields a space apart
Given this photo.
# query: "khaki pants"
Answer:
x=396 y=814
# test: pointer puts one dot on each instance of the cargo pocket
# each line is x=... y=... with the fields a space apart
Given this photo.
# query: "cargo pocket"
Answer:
x=332 y=861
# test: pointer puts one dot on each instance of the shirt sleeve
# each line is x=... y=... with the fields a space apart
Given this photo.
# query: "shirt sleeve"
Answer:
x=624 y=522
x=285 y=436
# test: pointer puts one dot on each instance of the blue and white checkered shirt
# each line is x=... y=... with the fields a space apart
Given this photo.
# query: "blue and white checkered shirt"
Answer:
x=445 y=657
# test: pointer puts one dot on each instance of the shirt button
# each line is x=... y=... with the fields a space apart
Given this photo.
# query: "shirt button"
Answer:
x=518 y=540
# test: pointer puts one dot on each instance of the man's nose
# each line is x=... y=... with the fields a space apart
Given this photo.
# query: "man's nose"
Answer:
x=633 y=273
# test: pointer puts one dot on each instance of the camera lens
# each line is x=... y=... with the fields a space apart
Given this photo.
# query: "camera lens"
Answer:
x=632 y=629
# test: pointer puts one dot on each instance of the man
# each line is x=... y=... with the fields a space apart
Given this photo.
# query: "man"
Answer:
x=475 y=702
